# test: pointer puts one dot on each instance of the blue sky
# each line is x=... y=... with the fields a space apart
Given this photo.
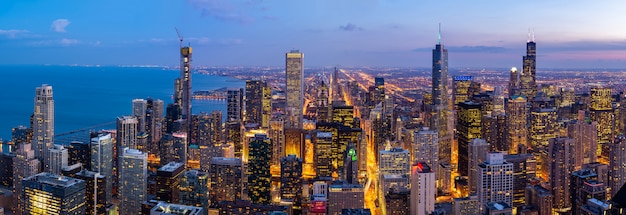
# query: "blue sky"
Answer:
x=571 y=34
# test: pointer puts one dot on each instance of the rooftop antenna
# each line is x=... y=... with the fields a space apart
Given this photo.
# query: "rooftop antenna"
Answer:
x=439 y=40
x=533 y=34
x=180 y=37
x=528 y=40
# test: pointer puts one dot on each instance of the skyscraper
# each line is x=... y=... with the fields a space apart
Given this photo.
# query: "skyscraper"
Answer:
x=323 y=157
x=342 y=195
x=524 y=169
x=47 y=193
x=395 y=161
x=132 y=180
x=79 y=152
x=584 y=134
x=254 y=101
x=58 y=158
x=468 y=128
x=517 y=114
x=95 y=192
x=185 y=78
x=291 y=180
x=543 y=127
x=561 y=167
x=601 y=111
x=139 y=110
x=294 y=68
x=323 y=104
x=617 y=164
x=24 y=165
x=194 y=189
x=234 y=105
x=426 y=147
x=439 y=121
x=259 y=178
x=477 y=153
x=495 y=180
x=461 y=88
x=528 y=85
x=514 y=85
x=226 y=179
x=43 y=124
x=102 y=159
x=422 y=189
x=168 y=179
x=126 y=132
x=206 y=141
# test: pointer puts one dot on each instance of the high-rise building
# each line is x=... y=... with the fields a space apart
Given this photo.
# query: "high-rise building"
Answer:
x=517 y=123
x=323 y=157
x=585 y=136
x=351 y=165
x=194 y=188
x=226 y=179
x=524 y=169
x=234 y=105
x=6 y=173
x=25 y=164
x=468 y=128
x=47 y=193
x=185 y=84
x=139 y=110
x=539 y=198
x=398 y=201
x=601 y=111
x=259 y=178
x=79 y=152
x=342 y=195
x=154 y=123
x=466 y=205
x=209 y=126
x=527 y=78
x=561 y=166
x=584 y=186
x=43 y=124
x=168 y=181
x=323 y=104
x=477 y=151
x=395 y=161
x=343 y=114
x=164 y=208
x=95 y=192
x=132 y=180
x=291 y=180
x=617 y=164
x=495 y=180
x=21 y=134
x=254 y=101
x=57 y=156
x=426 y=148
x=179 y=147
x=294 y=68
x=102 y=160
x=277 y=134
x=422 y=189
x=543 y=127
x=514 y=84
x=461 y=88
x=126 y=133
x=439 y=121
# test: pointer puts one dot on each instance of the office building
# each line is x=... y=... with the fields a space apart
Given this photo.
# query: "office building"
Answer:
x=294 y=142
x=461 y=88
x=543 y=127
x=259 y=178
x=527 y=78
x=585 y=136
x=209 y=125
x=95 y=192
x=234 y=137
x=351 y=165
x=561 y=166
x=179 y=148
x=495 y=180
x=234 y=104
x=323 y=104
x=47 y=193
x=57 y=156
x=439 y=121
x=601 y=111
x=395 y=161
x=102 y=159
x=6 y=173
x=466 y=205
x=194 y=189
x=422 y=189
x=524 y=169
x=126 y=132
x=254 y=101
x=478 y=150
x=342 y=195
x=154 y=123
x=226 y=179
x=140 y=107
x=168 y=181
x=323 y=157
x=539 y=198
x=517 y=114
x=294 y=68
x=43 y=124
x=426 y=148
x=468 y=128
x=398 y=201
x=79 y=152
x=291 y=180
x=25 y=164
x=617 y=164
x=132 y=180
x=514 y=85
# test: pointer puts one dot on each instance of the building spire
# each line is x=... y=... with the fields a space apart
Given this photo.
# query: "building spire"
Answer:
x=528 y=40
x=439 y=39
x=533 y=35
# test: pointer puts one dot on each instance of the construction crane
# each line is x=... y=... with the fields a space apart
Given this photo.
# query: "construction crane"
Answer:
x=180 y=37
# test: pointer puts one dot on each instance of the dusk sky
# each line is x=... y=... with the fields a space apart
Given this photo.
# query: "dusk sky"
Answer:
x=569 y=34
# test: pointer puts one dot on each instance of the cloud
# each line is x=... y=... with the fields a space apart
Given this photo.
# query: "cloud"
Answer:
x=67 y=42
x=12 y=33
x=350 y=27
x=223 y=10
x=59 y=25
x=468 y=49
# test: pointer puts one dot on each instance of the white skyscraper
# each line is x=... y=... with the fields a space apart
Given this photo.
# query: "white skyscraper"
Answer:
x=495 y=180
x=24 y=165
x=43 y=123
x=58 y=158
x=133 y=180
x=294 y=67
x=423 y=189
x=478 y=149
x=395 y=161
x=102 y=159
x=139 y=111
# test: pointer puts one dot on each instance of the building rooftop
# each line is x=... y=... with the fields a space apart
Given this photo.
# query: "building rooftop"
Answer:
x=171 y=167
x=54 y=180
x=174 y=209
x=226 y=161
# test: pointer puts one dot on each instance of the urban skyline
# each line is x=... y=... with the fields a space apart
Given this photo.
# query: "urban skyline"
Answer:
x=393 y=33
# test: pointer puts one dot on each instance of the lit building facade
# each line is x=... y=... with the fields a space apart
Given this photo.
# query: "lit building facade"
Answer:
x=57 y=155
x=528 y=85
x=395 y=161
x=477 y=151
x=517 y=114
x=43 y=124
x=468 y=128
x=102 y=159
x=25 y=164
x=561 y=166
x=439 y=121
x=133 y=180
x=524 y=169
x=168 y=181
x=601 y=111
x=226 y=177
x=461 y=88
x=291 y=180
x=426 y=148
x=95 y=192
x=344 y=196
x=47 y=193
x=617 y=164
x=294 y=68
x=259 y=178
x=543 y=127
x=423 y=189
x=194 y=188
x=495 y=180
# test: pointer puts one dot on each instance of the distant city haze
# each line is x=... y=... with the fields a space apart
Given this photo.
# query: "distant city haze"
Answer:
x=569 y=34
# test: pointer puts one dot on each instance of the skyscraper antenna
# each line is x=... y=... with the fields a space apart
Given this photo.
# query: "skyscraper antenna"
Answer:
x=533 y=38
x=528 y=40
x=439 y=39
